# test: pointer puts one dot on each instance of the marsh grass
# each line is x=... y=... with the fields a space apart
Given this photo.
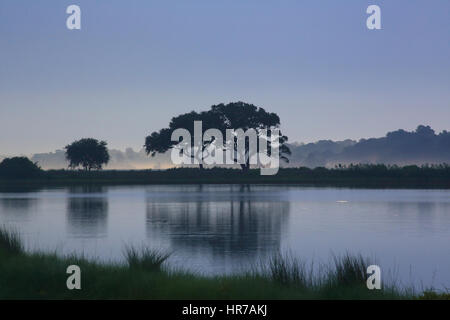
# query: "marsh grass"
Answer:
x=432 y=295
x=287 y=270
x=40 y=275
x=363 y=175
x=10 y=241
x=145 y=258
x=345 y=271
x=349 y=270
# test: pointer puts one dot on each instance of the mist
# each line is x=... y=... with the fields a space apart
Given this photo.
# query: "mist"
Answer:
x=400 y=147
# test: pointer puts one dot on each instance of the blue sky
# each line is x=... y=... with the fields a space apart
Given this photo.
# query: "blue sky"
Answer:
x=135 y=64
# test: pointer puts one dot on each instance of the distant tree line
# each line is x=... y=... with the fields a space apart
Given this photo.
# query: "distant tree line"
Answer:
x=401 y=147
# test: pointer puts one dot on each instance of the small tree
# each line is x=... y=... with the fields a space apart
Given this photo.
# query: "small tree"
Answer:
x=88 y=153
x=19 y=167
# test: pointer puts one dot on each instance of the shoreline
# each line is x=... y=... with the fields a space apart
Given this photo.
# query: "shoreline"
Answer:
x=370 y=176
x=144 y=275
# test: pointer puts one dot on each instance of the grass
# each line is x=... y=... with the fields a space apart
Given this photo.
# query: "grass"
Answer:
x=144 y=258
x=25 y=275
x=10 y=242
x=361 y=176
x=349 y=270
x=287 y=270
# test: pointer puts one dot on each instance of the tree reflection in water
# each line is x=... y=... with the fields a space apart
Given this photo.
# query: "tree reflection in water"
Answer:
x=236 y=225
x=87 y=212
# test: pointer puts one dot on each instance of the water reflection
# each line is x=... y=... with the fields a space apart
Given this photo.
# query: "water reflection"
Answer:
x=242 y=226
x=17 y=208
x=425 y=215
x=17 y=201
x=87 y=212
x=19 y=188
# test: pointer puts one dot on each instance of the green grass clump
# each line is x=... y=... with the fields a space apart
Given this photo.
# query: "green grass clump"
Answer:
x=286 y=270
x=144 y=258
x=349 y=270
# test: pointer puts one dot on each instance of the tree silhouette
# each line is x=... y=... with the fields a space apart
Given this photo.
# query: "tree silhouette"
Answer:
x=241 y=115
x=19 y=167
x=88 y=153
x=236 y=115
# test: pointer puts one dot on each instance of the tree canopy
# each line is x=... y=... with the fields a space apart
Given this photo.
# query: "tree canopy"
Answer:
x=236 y=115
x=88 y=153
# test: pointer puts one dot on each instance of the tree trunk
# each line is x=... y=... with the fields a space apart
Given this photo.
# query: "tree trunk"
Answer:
x=245 y=167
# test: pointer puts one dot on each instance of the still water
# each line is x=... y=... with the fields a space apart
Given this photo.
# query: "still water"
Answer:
x=216 y=229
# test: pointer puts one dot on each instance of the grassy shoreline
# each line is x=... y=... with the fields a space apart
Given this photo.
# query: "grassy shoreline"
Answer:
x=368 y=176
x=43 y=276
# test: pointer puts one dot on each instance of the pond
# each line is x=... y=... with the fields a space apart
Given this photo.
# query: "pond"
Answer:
x=217 y=229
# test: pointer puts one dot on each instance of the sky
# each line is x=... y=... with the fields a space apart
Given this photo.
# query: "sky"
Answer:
x=136 y=64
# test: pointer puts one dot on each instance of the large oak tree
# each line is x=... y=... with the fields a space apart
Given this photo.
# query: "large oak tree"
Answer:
x=236 y=115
